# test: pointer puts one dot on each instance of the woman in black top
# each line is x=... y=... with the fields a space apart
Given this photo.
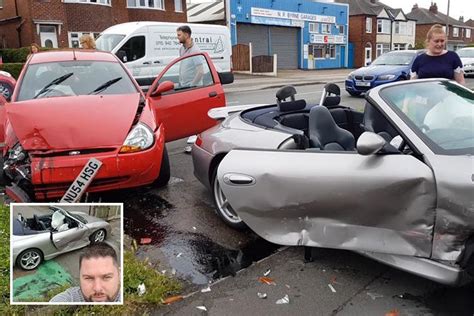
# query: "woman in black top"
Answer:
x=437 y=62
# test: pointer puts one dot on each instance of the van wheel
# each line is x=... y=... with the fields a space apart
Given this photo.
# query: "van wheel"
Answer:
x=223 y=208
x=164 y=176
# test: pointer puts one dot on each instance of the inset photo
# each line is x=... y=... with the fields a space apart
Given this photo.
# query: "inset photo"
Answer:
x=66 y=253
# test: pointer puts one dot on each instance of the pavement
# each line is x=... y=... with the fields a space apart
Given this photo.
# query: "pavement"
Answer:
x=245 y=82
x=337 y=282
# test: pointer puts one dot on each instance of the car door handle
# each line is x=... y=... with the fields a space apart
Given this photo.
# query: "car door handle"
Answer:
x=157 y=62
x=146 y=63
x=213 y=94
x=238 y=179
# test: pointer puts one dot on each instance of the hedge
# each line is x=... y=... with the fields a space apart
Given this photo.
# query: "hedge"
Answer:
x=14 y=55
x=13 y=68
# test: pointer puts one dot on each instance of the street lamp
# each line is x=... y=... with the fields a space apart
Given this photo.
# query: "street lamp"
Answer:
x=447 y=26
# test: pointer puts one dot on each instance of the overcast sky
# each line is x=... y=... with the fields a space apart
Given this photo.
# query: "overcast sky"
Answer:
x=456 y=8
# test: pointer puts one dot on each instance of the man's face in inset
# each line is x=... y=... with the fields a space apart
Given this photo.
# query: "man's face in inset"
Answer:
x=99 y=279
x=182 y=36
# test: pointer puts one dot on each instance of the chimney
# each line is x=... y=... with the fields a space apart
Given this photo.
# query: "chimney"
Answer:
x=415 y=6
x=461 y=19
x=434 y=8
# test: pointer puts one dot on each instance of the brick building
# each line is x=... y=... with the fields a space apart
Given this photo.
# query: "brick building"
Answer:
x=60 y=23
x=459 y=34
x=375 y=28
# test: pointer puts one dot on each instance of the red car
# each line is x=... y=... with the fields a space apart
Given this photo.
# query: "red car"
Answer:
x=78 y=121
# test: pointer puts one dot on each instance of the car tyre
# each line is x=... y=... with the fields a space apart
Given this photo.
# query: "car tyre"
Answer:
x=164 y=176
x=222 y=206
x=29 y=259
x=354 y=94
x=98 y=236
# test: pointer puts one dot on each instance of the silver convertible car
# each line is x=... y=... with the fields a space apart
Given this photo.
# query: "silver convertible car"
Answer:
x=400 y=192
x=47 y=236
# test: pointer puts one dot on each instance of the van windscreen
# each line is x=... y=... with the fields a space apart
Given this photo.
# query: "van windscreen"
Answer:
x=107 y=42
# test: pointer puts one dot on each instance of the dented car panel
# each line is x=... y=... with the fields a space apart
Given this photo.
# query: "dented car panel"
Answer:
x=327 y=210
x=409 y=206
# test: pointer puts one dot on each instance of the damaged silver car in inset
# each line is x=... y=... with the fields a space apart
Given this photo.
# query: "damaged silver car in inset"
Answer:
x=402 y=195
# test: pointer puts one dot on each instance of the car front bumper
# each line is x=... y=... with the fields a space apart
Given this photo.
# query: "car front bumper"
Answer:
x=52 y=176
x=351 y=85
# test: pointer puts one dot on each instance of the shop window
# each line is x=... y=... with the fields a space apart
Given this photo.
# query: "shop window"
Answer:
x=133 y=49
x=323 y=51
x=326 y=28
x=314 y=27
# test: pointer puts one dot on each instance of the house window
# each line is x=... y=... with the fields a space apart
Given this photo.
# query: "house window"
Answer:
x=468 y=33
x=331 y=51
x=341 y=29
x=397 y=27
x=178 y=5
x=146 y=4
x=382 y=49
x=326 y=28
x=75 y=36
x=104 y=2
x=368 y=25
x=383 y=26
x=399 y=46
x=313 y=27
x=455 y=31
x=1 y=3
x=409 y=28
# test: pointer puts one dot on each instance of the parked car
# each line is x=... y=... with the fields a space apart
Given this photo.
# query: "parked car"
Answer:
x=400 y=193
x=467 y=57
x=288 y=124
x=71 y=106
x=7 y=84
x=389 y=67
x=45 y=236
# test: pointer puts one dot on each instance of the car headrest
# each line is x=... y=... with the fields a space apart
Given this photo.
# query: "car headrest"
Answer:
x=292 y=105
x=332 y=100
x=332 y=88
x=285 y=92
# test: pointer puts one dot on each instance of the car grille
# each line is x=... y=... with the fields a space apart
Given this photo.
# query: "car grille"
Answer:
x=365 y=78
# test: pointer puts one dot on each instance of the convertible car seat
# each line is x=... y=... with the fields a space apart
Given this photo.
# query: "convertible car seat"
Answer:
x=324 y=132
x=294 y=120
x=375 y=122
x=332 y=95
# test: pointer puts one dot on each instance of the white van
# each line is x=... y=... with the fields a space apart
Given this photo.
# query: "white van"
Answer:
x=147 y=47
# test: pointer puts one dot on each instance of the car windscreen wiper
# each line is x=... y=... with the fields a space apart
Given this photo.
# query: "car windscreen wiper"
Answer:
x=104 y=86
x=52 y=83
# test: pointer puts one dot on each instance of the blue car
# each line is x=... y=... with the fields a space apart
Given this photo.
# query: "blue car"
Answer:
x=389 y=67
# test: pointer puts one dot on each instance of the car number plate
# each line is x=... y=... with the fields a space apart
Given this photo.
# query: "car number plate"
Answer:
x=362 y=84
x=80 y=184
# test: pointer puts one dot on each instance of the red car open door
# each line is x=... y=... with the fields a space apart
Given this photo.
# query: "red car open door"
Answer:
x=183 y=93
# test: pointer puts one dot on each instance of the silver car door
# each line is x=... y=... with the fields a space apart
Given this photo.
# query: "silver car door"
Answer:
x=333 y=199
x=68 y=239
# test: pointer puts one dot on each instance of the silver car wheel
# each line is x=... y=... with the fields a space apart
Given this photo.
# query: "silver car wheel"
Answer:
x=99 y=236
x=30 y=259
x=223 y=205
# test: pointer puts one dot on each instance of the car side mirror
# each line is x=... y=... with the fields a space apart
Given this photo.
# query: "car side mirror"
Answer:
x=3 y=101
x=162 y=88
x=370 y=143
x=226 y=77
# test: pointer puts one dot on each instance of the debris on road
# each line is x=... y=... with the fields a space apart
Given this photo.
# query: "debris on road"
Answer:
x=393 y=312
x=173 y=299
x=374 y=296
x=266 y=280
x=141 y=289
x=179 y=255
x=203 y=308
x=267 y=272
x=262 y=295
x=145 y=240
x=332 y=288
x=284 y=300
x=205 y=290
